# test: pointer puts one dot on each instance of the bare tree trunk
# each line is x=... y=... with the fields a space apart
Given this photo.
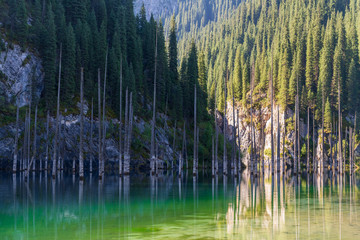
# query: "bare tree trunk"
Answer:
x=234 y=138
x=120 y=122
x=308 y=141
x=57 y=120
x=195 y=138
x=104 y=118
x=16 y=140
x=183 y=151
x=339 y=144
x=295 y=136
x=239 y=140
x=128 y=122
x=314 y=143
x=283 y=145
x=350 y=149
x=225 y=107
x=28 y=139
x=272 y=117
x=251 y=120
x=212 y=157
x=197 y=149
x=30 y=165
x=47 y=141
x=152 y=150
x=174 y=147
x=100 y=124
x=278 y=141
x=24 y=154
x=81 y=155
x=323 y=136
x=298 y=132
x=216 y=140
x=33 y=161
x=91 y=135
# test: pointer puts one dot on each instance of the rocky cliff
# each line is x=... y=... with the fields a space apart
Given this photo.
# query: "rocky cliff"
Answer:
x=20 y=74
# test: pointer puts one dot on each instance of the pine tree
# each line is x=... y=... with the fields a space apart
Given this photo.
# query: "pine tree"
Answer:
x=48 y=52
x=68 y=89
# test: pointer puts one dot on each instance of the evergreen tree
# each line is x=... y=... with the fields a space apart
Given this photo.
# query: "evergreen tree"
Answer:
x=69 y=58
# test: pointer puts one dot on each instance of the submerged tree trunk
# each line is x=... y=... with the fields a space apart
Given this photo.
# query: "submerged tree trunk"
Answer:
x=104 y=118
x=100 y=125
x=120 y=122
x=224 y=152
x=233 y=160
x=308 y=141
x=339 y=144
x=174 y=147
x=216 y=140
x=272 y=117
x=195 y=137
x=81 y=155
x=33 y=160
x=91 y=136
x=239 y=140
x=152 y=150
x=57 y=120
x=16 y=140
x=47 y=141
x=278 y=141
x=24 y=154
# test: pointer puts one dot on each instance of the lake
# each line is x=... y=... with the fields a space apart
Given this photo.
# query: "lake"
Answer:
x=139 y=206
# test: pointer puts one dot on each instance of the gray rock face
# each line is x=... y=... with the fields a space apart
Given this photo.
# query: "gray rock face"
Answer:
x=17 y=71
x=265 y=116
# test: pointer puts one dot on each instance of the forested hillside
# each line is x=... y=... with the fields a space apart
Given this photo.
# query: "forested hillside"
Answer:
x=313 y=44
x=88 y=32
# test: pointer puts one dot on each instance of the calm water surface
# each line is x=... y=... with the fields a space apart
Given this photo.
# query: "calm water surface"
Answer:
x=166 y=207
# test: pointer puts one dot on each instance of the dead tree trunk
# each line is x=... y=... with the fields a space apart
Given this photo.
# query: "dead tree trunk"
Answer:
x=91 y=136
x=152 y=150
x=47 y=141
x=33 y=160
x=278 y=141
x=216 y=139
x=283 y=145
x=81 y=155
x=272 y=117
x=308 y=141
x=195 y=138
x=128 y=117
x=120 y=122
x=28 y=139
x=16 y=140
x=323 y=136
x=225 y=107
x=339 y=144
x=174 y=147
x=57 y=119
x=104 y=118
x=233 y=160
x=314 y=143
x=24 y=154
x=251 y=120
x=295 y=136
x=100 y=125
x=239 y=140
x=182 y=156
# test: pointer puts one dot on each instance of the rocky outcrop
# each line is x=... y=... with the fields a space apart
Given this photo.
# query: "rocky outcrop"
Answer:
x=69 y=143
x=20 y=72
x=262 y=123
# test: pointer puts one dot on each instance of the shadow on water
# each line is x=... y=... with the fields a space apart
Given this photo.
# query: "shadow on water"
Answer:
x=165 y=206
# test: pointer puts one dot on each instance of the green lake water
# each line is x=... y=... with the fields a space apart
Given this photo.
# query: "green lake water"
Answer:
x=165 y=207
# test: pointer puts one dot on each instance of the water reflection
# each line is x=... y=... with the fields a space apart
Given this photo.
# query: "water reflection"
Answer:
x=165 y=206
